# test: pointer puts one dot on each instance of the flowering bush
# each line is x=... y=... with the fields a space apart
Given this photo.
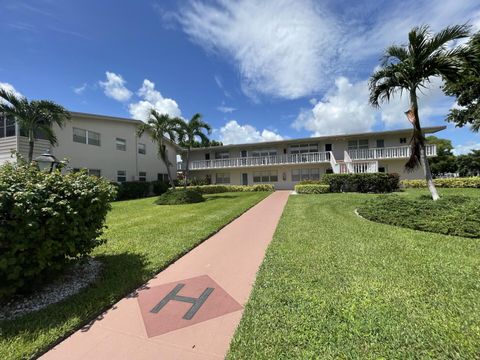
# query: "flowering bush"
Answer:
x=45 y=220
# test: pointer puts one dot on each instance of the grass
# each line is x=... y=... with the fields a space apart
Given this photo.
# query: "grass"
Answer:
x=451 y=215
x=143 y=238
x=336 y=286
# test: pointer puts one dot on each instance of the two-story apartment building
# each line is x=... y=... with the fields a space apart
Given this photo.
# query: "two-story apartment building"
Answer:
x=107 y=146
x=284 y=163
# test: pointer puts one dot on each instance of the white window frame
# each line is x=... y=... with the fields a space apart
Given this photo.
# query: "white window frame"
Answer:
x=87 y=137
x=5 y=126
x=93 y=172
x=119 y=175
x=222 y=178
x=120 y=144
x=142 y=176
x=303 y=148
x=305 y=174
x=222 y=155
x=142 y=149
x=265 y=176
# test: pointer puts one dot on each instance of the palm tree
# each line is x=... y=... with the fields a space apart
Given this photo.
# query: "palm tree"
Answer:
x=190 y=131
x=33 y=117
x=409 y=68
x=159 y=127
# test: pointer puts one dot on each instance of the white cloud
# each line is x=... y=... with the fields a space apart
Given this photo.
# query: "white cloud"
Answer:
x=9 y=88
x=152 y=99
x=79 y=90
x=280 y=47
x=466 y=148
x=344 y=109
x=114 y=87
x=234 y=133
x=225 y=109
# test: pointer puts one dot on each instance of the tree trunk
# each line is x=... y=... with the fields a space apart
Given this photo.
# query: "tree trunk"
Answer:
x=164 y=156
x=187 y=169
x=31 y=145
x=418 y=136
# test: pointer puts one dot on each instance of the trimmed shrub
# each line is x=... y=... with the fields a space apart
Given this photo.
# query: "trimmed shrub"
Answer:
x=308 y=181
x=466 y=182
x=312 y=188
x=217 y=189
x=451 y=215
x=45 y=221
x=178 y=197
x=132 y=190
x=159 y=187
x=364 y=183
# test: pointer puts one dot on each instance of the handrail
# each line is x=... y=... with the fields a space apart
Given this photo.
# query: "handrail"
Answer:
x=317 y=157
x=348 y=161
x=393 y=152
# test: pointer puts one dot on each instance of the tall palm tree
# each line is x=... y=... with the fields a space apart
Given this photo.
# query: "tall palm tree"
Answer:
x=159 y=127
x=409 y=68
x=190 y=131
x=33 y=117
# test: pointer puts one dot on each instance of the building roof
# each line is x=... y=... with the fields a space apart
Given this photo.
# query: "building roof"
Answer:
x=426 y=130
x=118 y=119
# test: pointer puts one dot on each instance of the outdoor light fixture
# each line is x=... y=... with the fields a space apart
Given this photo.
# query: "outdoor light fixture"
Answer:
x=47 y=161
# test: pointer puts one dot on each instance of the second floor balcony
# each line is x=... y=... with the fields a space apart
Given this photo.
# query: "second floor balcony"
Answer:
x=396 y=152
x=287 y=159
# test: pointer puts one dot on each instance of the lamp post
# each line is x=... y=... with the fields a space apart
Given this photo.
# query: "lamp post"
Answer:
x=47 y=161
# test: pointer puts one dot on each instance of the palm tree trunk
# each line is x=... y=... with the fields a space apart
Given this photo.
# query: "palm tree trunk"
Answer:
x=31 y=145
x=419 y=140
x=170 y=179
x=164 y=156
x=187 y=169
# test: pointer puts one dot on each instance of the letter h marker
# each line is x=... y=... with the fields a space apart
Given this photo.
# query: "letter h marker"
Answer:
x=173 y=295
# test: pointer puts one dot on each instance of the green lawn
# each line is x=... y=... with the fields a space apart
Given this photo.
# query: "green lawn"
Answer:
x=336 y=286
x=143 y=238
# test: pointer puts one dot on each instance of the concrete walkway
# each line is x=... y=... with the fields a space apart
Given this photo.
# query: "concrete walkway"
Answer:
x=191 y=309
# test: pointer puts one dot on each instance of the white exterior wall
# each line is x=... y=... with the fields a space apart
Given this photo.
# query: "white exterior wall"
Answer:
x=105 y=157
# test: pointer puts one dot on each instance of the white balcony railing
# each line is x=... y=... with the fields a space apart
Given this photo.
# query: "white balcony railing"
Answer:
x=318 y=157
x=397 y=152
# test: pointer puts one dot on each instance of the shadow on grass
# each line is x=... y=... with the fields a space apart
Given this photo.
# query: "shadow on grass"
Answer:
x=81 y=310
x=217 y=197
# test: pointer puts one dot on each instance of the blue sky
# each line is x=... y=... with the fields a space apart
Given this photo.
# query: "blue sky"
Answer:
x=256 y=70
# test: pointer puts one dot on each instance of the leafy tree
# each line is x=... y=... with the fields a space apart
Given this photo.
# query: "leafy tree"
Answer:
x=189 y=132
x=33 y=117
x=159 y=127
x=409 y=68
x=467 y=88
x=198 y=144
x=445 y=161
x=469 y=164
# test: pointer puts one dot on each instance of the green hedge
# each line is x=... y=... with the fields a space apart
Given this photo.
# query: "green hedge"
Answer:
x=139 y=189
x=179 y=197
x=45 y=220
x=216 y=189
x=312 y=188
x=364 y=183
x=466 y=182
x=451 y=215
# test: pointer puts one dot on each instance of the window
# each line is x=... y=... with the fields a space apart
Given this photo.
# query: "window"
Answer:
x=381 y=169
x=265 y=176
x=162 y=177
x=380 y=143
x=121 y=144
x=80 y=135
x=121 y=175
x=142 y=176
x=94 y=172
x=222 y=155
x=403 y=140
x=222 y=178
x=142 y=149
x=263 y=153
x=303 y=148
x=7 y=126
x=86 y=137
x=305 y=174
x=357 y=144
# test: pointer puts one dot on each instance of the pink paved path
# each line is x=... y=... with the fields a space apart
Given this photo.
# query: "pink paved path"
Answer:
x=227 y=263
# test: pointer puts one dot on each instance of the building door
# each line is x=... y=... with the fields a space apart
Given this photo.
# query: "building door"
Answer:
x=244 y=179
x=328 y=147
